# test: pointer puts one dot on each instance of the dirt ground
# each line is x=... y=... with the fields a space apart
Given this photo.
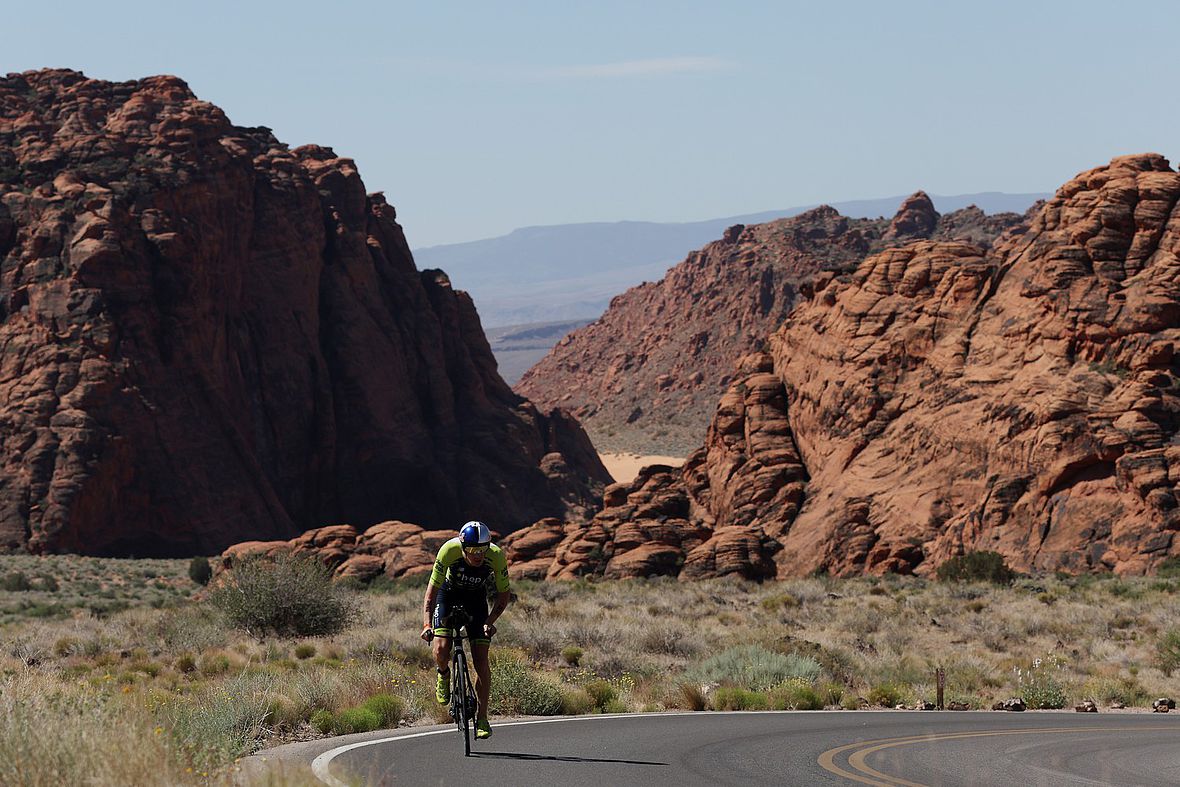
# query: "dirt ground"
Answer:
x=624 y=467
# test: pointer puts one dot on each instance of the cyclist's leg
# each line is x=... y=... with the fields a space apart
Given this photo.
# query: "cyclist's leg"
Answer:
x=441 y=645
x=478 y=609
x=483 y=678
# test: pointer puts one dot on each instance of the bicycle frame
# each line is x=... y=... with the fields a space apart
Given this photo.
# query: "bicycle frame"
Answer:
x=463 y=702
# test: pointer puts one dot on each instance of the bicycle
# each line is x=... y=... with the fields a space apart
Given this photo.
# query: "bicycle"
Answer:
x=463 y=704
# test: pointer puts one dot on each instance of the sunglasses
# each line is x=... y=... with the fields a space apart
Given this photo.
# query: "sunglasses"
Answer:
x=475 y=550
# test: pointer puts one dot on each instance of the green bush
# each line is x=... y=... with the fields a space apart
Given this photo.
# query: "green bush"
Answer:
x=754 y=667
x=576 y=702
x=795 y=694
x=323 y=720
x=388 y=708
x=572 y=655
x=199 y=570
x=304 y=650
x=601 y=693
x=736 y=698
x=518 y=691
x=1169 y=567
x=289 y=595
x=359 y=719
x=15 y=581
x=1167 y=651
x=1039 y=687
x=977 y=567
x=888 y=695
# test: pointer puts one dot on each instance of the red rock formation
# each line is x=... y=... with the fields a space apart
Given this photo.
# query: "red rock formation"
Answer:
x=941 y=398
x=208 y=337
x=391 y=549
x=1024 y=402
x=647 y=374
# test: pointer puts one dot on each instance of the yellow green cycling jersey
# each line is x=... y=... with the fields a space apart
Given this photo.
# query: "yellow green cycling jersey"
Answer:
x=454 y=573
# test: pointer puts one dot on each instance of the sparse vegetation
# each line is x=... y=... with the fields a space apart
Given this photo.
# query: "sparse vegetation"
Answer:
x=199 y=570
x=108 y=680
x=288 y=595
x=977 y=567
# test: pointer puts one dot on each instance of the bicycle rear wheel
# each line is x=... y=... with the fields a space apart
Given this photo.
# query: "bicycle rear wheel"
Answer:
x=459 y=692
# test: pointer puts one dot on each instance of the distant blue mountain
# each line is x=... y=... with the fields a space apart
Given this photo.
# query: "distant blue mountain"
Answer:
x=571 y=271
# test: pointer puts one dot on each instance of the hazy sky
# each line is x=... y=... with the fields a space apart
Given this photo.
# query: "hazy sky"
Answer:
x=477 y=118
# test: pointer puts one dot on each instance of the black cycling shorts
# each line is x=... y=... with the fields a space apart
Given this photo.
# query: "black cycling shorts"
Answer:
x=475 y=604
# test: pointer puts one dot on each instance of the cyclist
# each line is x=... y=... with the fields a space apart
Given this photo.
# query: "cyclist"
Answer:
x=460 y=578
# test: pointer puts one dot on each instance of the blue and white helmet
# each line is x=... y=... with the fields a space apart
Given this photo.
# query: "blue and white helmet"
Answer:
x=475 y=534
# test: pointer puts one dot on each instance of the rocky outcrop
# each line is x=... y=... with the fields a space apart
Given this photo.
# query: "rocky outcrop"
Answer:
x=208 y=337
x=647 y=374
x=1024 y=401
x=389 y=549
x=942 y=398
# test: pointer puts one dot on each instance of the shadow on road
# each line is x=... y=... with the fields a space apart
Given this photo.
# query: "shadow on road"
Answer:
x=511 y=755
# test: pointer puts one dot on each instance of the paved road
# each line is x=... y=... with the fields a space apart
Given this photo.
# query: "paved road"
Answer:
x=883 y=748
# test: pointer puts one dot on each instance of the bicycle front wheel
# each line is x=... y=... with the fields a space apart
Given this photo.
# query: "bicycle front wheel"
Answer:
x=459 y=692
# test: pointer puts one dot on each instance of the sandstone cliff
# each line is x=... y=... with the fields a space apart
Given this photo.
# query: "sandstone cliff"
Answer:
x=208 y=337
x=942 y=397
x=647 y=375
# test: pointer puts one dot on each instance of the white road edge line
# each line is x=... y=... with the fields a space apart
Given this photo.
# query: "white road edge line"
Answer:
x=319 y=766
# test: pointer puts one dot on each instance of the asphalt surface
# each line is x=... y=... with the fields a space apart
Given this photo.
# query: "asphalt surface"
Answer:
x=815 y=747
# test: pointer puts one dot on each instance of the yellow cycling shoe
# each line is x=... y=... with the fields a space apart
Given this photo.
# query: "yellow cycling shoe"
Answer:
x=442 y=689
x=483 y=729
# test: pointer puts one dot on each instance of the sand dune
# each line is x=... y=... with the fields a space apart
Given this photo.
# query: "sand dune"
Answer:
x=624 y=467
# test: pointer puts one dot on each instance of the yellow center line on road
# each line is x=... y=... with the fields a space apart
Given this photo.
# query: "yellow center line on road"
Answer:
x=868 y=775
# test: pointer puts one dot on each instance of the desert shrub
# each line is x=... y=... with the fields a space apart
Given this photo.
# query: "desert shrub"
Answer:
x=887 y=695
x=215 y=663
x=304 y=650
x=576 y=702
x=1169 y=567
x=977 y=567
x=388 y=708
x=1167 y=651
x=193 y=627
x=1106 y=691
x=737 y=698
x=795 y=694
x=615 y=706
x=199 y=570
x=67 y=646
x=830 y=692
x=289 y=595
x=47 y=583
x=185 y=663
x=15 y=581
x=281 y=711
x=219 y=724
x=518 y=691
x=416 y=655
x=779 y=601
x=694 y=698
x=601 y=693
x=323 y=720
x=359 y=719
x=572 y=655
x=666 y=637
x=850 y=702
x=754 y=667
x=1039 y=686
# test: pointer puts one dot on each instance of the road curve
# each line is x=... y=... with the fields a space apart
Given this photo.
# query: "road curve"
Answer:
x=811 y=747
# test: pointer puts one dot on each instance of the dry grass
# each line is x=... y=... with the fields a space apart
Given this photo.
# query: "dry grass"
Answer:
x=169 y=693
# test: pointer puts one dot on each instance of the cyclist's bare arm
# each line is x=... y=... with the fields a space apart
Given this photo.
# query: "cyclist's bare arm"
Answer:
x=428 y=608
x=502 y=601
